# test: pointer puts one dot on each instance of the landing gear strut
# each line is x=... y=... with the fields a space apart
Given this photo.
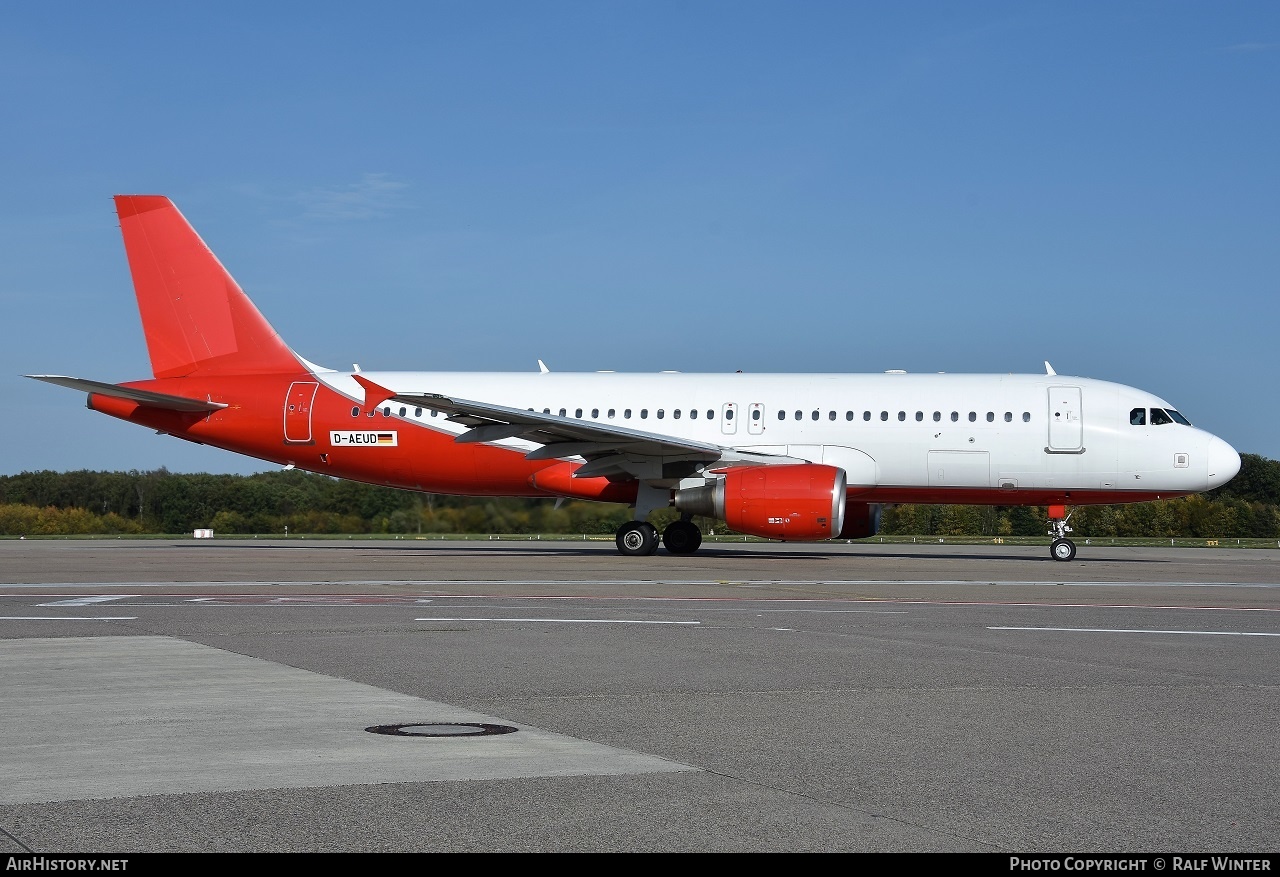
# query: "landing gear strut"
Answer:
x=682 y=537
x=1061 y=548
x=637 y=539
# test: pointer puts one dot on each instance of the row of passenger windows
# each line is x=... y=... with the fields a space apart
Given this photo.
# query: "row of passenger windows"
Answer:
x=661 y=413
x=386 y=411
x=902 y=415
x=756 y=414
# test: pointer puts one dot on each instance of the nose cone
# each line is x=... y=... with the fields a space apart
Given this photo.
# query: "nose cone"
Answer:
x=1223 y=462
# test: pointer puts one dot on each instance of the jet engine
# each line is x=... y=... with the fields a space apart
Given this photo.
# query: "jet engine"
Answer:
x=803 y=502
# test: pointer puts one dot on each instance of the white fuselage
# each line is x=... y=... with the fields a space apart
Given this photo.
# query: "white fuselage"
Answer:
x=925 y=431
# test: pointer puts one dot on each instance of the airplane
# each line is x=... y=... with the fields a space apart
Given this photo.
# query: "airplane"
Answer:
x=787 y=457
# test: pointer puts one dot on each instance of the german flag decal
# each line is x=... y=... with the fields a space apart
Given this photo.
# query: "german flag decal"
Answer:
x=343 y=438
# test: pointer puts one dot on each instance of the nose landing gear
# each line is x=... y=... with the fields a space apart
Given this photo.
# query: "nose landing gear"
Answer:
x=1061 y=548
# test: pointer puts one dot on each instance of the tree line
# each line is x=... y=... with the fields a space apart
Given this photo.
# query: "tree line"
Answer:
x=162 y=502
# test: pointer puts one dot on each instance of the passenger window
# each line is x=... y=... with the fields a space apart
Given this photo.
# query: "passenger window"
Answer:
x=937 y=416
x=1159 y=418
x=755 y=413
x=1008 y=417
x=973 y=416
x=799 y=415
x=611 y=413
x=866 y=415
x=815 y=415
x=902 y=415
x=782 y=415
x=626 y=414
x=955 y=416
x=578 y=413
x=693 y=413
x=661 y=414
x=1026 y=417
x=355 y=411
x=595 y=412
x=728 y=414
x=711 y=414
x=386 y=411
x=676 y=413
x=562 y=412
x=403 y=411
x=848 y=415
x=434 y=412
x=1138 y=417
x=991 y=417
x=417 y=412
x=919 y=416
x=831 y=415
x=644 y=413
x=884 y=415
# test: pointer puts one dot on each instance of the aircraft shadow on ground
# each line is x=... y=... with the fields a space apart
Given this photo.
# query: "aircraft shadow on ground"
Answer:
x=549 y=549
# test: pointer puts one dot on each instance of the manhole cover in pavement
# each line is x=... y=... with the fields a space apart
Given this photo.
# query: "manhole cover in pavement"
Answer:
x=441 y=729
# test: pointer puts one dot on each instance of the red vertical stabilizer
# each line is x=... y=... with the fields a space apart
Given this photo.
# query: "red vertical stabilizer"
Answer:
x=196 y=318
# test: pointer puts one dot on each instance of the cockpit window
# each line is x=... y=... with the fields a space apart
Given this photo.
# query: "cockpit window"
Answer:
x=1138 y=417
x=1178 y=417
x=1159 y=417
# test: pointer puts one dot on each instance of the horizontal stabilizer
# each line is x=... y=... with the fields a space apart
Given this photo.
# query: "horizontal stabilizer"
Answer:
x=142 y=397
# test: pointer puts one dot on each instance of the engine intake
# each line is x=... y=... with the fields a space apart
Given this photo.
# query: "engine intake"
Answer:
x=804 y=502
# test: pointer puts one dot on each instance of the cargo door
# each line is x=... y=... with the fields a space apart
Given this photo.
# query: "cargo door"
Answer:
x=959 y=469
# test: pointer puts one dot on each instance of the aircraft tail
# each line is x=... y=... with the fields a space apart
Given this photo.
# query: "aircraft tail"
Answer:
x=196 y=319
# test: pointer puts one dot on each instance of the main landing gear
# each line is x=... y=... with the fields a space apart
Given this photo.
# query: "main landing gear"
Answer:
x=637 y=539
x=682 y=537
x=640 y=538
x=1061 y=548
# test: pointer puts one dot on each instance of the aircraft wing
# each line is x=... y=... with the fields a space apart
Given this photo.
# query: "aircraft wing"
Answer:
x=142 y=397
x=608 y=449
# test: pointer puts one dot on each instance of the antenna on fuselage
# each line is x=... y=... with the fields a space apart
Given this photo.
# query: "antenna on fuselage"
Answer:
x=542 y=367
x=1048 y=369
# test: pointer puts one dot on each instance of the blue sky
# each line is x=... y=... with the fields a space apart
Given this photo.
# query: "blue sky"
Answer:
x=702 y=186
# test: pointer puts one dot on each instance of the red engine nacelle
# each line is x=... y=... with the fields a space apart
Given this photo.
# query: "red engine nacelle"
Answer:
x=800 y=503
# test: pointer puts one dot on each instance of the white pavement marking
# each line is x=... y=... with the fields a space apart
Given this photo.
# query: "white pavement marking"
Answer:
x=1136 y=630
x=85 y=601
x=67 y=618
x=565 y=620
x=181 y=718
